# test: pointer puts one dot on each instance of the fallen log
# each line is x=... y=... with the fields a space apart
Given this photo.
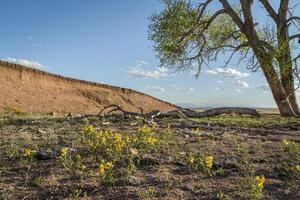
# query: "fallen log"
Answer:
x=183 y=113
x=220 y=111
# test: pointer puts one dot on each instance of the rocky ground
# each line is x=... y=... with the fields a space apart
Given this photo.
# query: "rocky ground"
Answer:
x=225 y=157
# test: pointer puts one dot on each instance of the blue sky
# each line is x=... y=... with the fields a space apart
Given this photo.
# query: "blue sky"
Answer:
x=107 y=41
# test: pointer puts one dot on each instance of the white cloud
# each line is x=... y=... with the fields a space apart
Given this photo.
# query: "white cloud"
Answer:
x=156 y=88
x=138 y=72
x=215 y=88
x=31 y=37
x=27 y=63
x=220 y=82
x=239 y=83
x=264 y=87
x=182 y=89
x=34 y=41
x=143 y=62
x=227 y=72
x=238 y=91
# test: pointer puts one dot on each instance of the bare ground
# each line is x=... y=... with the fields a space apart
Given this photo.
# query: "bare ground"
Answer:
x=240 y=153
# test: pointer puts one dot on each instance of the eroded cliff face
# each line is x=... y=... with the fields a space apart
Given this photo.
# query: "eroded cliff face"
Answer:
x=37 y=91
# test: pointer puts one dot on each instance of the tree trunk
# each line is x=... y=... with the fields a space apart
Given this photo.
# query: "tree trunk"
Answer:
x=288 y=85
x=279 y=94
x=281 y=100
x=287 y=76
x=285 y=58
x=265 y=60
x=278 y=91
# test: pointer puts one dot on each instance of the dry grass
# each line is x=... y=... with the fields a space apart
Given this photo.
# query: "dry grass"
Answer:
x=172 y=164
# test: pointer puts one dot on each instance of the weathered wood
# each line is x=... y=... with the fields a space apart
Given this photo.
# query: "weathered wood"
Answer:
x=117 y=108
x=184 y=113
x=223 y=110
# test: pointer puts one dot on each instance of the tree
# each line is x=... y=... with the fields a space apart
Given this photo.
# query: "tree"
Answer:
x=192 y=35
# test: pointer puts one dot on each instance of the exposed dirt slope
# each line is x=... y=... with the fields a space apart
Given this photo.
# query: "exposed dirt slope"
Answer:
x=37 y=91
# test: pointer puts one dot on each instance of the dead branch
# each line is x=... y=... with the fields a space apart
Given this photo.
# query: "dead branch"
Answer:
x=223 y=110
x=185 y=113
x=117 y=108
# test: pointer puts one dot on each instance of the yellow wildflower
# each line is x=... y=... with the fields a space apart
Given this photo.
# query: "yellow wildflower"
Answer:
x=286 y=142
x=109 y=165
x=145 y=130
x=208 y=160
x=29 y=152
x=118 y=137
x=64 y=151
x=89 y=129
x=260 y=181
x=151 y=141
x=296 y=168
x=101 y=169
x=119 y=146
x=78 y=157
x=191 y=159
x=103 y=140
x=104 y=166
x=127 y=139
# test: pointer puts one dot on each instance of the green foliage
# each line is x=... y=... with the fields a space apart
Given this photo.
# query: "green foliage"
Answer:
x=245 y=165
x=168 y=27
x=220 y=31
x=28 y=161
x=248 y=121
x=106 y=172
x=180 y=34
x=103 y=144
x=201 y=162
x=257 y=185
x=72 y=162
x=12 y=150
x=290 y=159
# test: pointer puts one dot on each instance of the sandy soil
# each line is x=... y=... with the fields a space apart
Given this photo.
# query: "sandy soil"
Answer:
x=36 y=91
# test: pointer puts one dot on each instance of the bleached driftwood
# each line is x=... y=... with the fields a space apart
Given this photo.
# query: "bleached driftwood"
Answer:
x=184 y=113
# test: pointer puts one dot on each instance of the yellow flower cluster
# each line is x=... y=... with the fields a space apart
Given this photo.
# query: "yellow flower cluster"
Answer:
x=64 y=151
x=146 y=135
x=151 y=141
x=28 y=153
x=104 y=166
x=208 y=160
x=259 y=180
x=104 y=140
x=89 y=129
x=145 y=130
x=296 y=168
x=286 y=142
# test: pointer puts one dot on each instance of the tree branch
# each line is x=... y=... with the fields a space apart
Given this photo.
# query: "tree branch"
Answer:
x=270 y=10
x=283 y=9
x=293 y=18
x=233 y=15
x=296 y=36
